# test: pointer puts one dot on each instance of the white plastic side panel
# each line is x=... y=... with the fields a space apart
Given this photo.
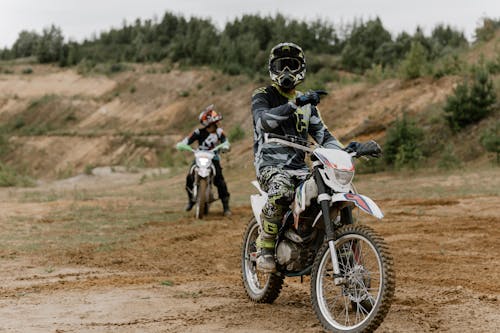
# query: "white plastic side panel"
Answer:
x=257 y=186
x=258 y=202
x=363 y=202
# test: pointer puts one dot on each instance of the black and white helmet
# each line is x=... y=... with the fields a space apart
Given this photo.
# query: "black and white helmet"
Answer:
x=287 y=65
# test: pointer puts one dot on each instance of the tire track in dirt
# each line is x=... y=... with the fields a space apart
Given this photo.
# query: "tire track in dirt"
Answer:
x=446 y=268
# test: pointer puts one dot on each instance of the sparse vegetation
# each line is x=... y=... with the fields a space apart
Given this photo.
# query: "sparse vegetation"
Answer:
x=468 y=105
x=413 y=65
x=487 y=30
x=448 y=159
x=490 y=140
x=236 y=134
x=88 y=169
x=10 y=177
x=402 y=146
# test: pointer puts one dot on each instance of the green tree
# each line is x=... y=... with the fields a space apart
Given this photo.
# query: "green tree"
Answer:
x=490 y=140
x=26 y=44
x=482 y=94
x=50 y=45
x=487 y=30
x=402 y=146
x=362 y=44
x=446 y=36
x=469 y=105
x=414 y=62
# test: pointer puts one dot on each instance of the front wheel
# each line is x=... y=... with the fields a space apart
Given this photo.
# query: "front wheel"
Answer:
x=201 y=200
x=260 y=287
x=362 y=301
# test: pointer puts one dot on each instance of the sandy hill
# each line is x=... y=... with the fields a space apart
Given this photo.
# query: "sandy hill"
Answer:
x=61 y=122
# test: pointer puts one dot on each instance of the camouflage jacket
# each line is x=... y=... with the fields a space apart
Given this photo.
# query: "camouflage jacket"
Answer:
x=275 y=112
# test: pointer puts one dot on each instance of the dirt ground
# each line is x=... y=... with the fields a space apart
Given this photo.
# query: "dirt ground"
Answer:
x=116 y=253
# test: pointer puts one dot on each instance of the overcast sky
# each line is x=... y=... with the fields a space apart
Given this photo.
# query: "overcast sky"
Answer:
x=79 y=19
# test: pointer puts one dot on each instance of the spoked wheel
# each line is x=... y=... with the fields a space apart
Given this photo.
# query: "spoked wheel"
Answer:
x=201 y=199
x=361 y=302
x=260 y=287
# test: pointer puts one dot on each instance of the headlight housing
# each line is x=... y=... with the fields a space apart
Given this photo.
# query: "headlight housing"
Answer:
x=203 y=161
x=344 y=177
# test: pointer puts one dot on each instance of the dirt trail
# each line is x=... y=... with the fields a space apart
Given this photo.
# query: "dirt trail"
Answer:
x=178 y=275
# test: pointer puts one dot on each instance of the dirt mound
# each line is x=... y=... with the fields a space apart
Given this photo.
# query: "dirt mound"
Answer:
x=65 y=83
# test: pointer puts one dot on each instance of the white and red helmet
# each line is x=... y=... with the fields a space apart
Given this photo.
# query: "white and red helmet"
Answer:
x=209 y=116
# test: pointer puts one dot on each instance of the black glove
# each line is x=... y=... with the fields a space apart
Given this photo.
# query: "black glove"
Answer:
x=370 y=148
x=311 y=97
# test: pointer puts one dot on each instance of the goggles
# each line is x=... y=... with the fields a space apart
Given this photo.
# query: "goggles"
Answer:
x=280 y=64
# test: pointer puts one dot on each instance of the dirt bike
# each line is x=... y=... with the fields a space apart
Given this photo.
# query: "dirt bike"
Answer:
x=352 y=278
x=204 y=172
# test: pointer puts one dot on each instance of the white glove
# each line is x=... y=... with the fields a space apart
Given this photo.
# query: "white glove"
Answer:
x=226 y=146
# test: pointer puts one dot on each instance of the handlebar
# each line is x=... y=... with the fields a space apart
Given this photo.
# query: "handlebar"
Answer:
x=296 y=142
x=185 y=147
x=289 y=140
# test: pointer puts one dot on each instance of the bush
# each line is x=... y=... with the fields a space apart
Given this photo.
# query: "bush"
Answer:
x=9 y=177
x=4 y=143
x=414 y=63
x=375 y=74
x=451 y=65
x=402 y=146
x=490 y=140
x=469 y=105
x=117 y=68
x=487 y=30
x=232 y=69
x=237 y=133
x=88 y=169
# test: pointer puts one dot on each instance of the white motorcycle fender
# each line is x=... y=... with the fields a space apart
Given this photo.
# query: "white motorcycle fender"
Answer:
x=204 y=172
x=258 y=201
x=362 y=202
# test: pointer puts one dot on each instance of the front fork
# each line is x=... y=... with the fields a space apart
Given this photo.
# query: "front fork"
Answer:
x=324 y=200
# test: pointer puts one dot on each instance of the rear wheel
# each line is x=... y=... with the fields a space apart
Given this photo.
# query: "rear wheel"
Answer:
x=260 y=287
x=201 y=200
x=361 y=302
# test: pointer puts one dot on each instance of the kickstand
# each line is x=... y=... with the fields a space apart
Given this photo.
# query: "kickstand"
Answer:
x=302 y=279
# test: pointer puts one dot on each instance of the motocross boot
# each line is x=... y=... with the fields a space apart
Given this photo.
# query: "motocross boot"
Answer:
x=225 y=205
x=265 y=247
x=190 y=204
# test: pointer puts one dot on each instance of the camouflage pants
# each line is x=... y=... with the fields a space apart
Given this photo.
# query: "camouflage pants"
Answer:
x=280 y=187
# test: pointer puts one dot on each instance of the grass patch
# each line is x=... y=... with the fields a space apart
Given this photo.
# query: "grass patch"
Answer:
x=10 y=177
x=237 y=133
x=39 y=196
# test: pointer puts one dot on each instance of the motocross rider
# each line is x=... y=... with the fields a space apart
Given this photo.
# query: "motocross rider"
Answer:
x=280 y=109
x=209 y=136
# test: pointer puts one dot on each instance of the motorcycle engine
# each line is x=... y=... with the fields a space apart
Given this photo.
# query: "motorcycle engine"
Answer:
x=288 y=254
